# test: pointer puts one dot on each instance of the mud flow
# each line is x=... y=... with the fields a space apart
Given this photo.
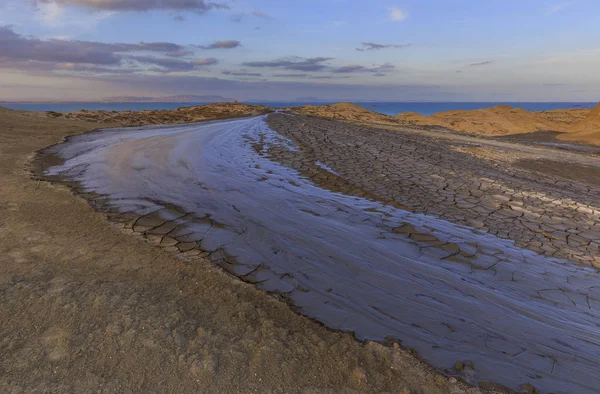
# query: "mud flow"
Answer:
x=448 y=291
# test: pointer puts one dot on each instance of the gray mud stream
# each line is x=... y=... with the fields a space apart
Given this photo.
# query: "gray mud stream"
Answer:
x=449 y=292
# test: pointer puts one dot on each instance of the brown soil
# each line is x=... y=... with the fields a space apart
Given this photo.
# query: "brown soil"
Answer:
x=84 y=307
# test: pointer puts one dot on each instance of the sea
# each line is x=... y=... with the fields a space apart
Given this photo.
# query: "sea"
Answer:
x=387 y=108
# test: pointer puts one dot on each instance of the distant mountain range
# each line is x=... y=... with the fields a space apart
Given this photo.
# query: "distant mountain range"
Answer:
x=168 y=99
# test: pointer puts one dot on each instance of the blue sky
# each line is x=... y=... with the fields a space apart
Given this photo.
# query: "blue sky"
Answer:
x=452 y=50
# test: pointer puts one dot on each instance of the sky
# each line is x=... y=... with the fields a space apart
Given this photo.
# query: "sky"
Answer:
x=256 y=50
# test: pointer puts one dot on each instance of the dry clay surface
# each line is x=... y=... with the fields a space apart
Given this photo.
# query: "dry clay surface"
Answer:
x=547 y=212
x=84 y=307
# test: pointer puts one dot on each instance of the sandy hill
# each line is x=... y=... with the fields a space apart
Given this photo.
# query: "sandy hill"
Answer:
x=499 y=120
x=180 y=115
x=17 y=112
x=565 y=117
x=587 y=131
x=347 y=112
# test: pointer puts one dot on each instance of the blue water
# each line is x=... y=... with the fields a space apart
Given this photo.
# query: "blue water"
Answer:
x=388 y=108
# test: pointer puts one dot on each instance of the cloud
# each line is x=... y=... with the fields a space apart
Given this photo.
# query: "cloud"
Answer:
x=20 y=52
x=35 y=67
x=371 y=46
x=198 y=6
x=293 y=63
x=396 y=14
x=315 y=64
x=486 y=63
x=17 y=47
x=86 y=68
x=558 y=7
x=360 y=69
x=330 y=77
x=54 y=15
x=260 y=14
x=290 y=75
x=241 y=73
x=165 y=84
x=349 y=69
x=51 y=13
x=255 y=13
x=165 y=64
x=147 y=46
x=179 y=53
x=227 y=44
x=206 y=62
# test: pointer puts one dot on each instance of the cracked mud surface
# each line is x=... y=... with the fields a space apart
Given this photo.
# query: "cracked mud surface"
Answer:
x=451 y=292
x=546 y=208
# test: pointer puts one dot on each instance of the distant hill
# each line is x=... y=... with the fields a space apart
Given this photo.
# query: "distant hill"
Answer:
x=168 y=99
x=586 y=131
x=494 y=121
x=348 y=112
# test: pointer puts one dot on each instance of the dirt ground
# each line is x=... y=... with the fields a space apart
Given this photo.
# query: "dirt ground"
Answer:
x=84 y=307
